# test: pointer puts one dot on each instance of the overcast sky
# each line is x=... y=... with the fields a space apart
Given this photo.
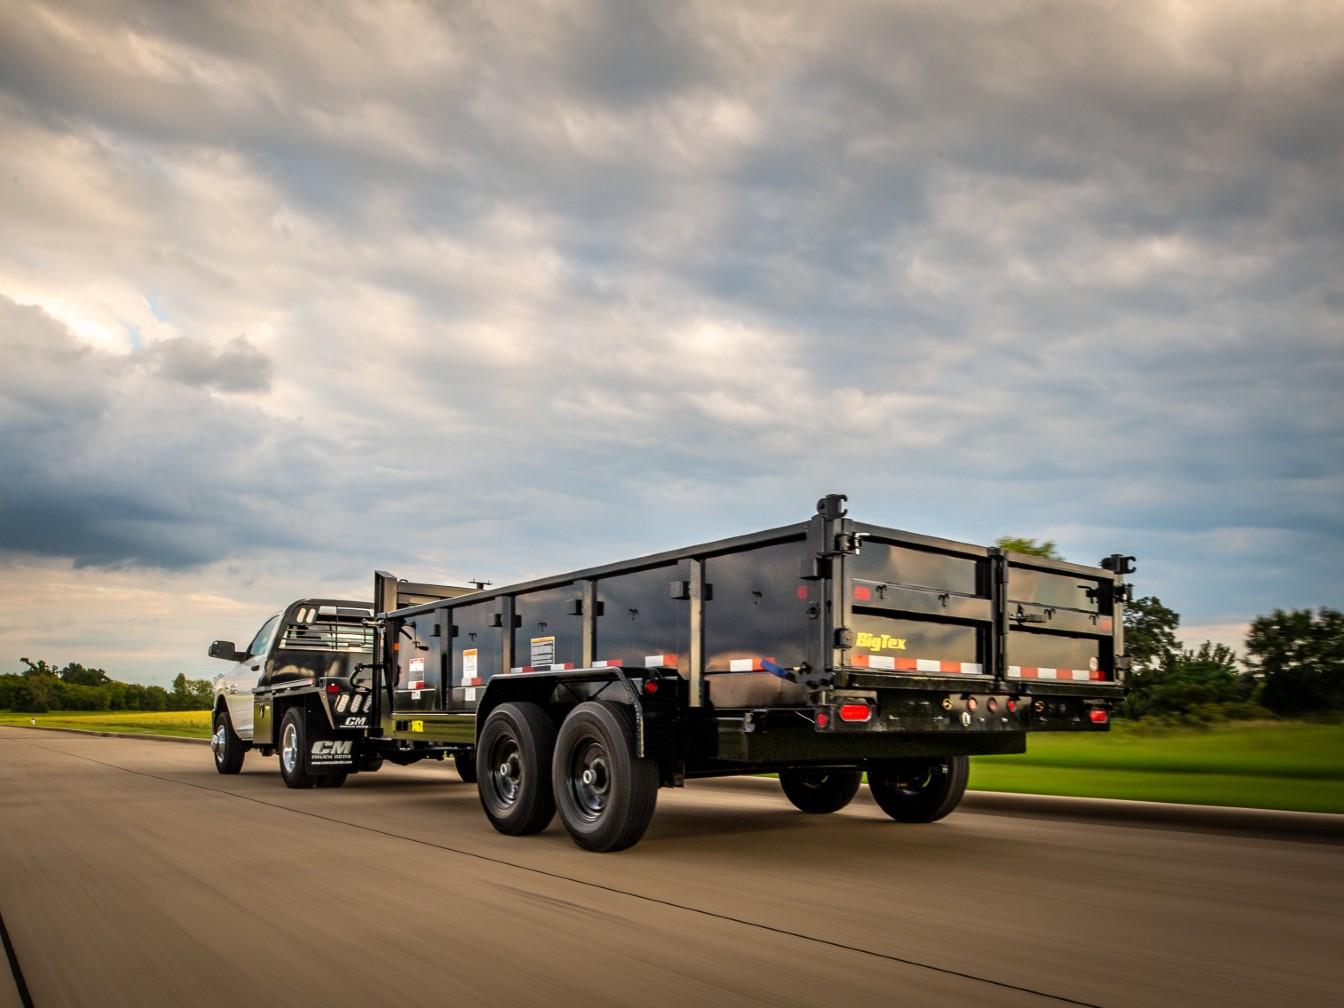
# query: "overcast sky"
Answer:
x=292 y=291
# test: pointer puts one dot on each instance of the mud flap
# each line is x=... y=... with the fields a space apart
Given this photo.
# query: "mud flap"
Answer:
x=330 y=755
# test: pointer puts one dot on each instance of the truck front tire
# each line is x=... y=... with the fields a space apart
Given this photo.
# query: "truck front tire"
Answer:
x=227 y=747
x=604 y=792
x=293 y=748
x=919 y=791
x=820 y=791
x=513 y=767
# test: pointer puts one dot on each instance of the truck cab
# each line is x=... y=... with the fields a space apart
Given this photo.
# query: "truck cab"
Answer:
x=312 y=658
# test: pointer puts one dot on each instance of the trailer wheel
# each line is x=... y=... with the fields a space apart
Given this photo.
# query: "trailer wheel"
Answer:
x=226 y=745
x=919 y=791
x=605 y=794
x=513 y=767
x=293 y=745
x=820 y=791
x=466 y=766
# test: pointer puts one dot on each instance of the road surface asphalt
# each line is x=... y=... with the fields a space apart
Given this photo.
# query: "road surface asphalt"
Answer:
x=132 y=874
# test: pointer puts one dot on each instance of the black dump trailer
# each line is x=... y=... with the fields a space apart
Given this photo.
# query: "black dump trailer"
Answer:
x=821 y=651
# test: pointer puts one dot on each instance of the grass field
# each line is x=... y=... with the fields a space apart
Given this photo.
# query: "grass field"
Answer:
x=1294 y=766
x=194 y=724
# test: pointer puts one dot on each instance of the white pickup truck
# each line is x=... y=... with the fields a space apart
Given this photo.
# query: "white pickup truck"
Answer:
x=304 y=688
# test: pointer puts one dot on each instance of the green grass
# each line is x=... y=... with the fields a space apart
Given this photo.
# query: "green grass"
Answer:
x=1294 y=766
x=193 y=724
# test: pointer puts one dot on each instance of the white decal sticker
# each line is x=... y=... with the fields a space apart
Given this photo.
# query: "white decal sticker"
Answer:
x=469 y=694
x=468 y=665
x=543 y=651
x=417 y=664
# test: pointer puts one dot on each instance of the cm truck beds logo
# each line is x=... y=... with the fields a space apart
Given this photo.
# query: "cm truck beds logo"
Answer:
x=332 y=750
x=879 y=642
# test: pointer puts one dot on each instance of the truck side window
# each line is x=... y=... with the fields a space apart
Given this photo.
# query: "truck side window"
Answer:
x=263 y=638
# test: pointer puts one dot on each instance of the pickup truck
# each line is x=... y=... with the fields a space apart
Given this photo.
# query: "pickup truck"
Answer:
x=821 y=651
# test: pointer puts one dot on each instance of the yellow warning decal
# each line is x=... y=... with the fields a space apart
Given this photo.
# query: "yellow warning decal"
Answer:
x=879 y=642
x=417 y=726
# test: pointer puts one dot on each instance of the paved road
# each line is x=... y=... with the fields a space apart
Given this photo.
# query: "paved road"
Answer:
x=132 y=874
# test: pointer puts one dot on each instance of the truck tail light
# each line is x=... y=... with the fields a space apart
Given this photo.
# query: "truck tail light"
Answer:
x=823 y=719
x=342 y=702
x=855 y=712
x=1098 y=716
x=333 y=687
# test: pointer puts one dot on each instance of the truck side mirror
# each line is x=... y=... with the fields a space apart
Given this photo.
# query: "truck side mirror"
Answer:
x=224 y=649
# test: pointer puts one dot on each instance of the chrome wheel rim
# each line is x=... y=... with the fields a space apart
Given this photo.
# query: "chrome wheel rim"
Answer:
x=218 y=741
x=289 y=749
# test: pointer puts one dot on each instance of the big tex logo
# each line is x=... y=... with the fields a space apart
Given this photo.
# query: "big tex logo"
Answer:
x=879 y=642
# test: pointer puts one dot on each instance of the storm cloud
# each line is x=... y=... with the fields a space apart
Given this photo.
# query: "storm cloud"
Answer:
x=501 y=289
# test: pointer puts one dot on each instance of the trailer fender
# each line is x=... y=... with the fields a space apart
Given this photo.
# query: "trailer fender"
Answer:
x=547 y=688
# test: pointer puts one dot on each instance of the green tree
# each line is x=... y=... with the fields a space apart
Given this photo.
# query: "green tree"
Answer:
x=1187 y=683
x=1300 y=654
x=9 y=684
x=1018 y=544
x=81 y=676
x=36 y=694
x=1150 y=633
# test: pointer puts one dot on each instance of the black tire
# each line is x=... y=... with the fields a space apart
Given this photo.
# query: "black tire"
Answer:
x=368 y=763
x=466 y=766
x=605 y=794
x=820 y=791
x=919 y=791
x=513 y=768
x=331 y=779
x=293 y=748
x=227 y=747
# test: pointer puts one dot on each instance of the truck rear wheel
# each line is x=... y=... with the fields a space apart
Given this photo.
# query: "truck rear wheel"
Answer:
x=605 y=793
x=919 y=791
x=293 y=747
x=820 y=791
x=513 y=767
x=227 y=747
x=466 y=766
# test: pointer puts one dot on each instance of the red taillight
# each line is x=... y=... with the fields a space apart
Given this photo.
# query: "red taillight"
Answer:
x=1012 y=706
x=823 y=719
x=862 y=593
x=333 y=688
x=651 y=686
x=855 y=712
x=1098 y=716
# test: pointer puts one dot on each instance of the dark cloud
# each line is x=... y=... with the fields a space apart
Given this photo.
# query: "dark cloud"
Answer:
x=238 y=367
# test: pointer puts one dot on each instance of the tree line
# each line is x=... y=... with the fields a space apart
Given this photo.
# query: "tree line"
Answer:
x=1292 y=666
x=42 y=687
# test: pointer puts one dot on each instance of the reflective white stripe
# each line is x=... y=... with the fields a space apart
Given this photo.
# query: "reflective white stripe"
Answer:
x=970 y=668
x=882 y=662
x=928 y=665
x=741 y=664
x=660 y=661
x=1029 y=672
x=608 y=663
